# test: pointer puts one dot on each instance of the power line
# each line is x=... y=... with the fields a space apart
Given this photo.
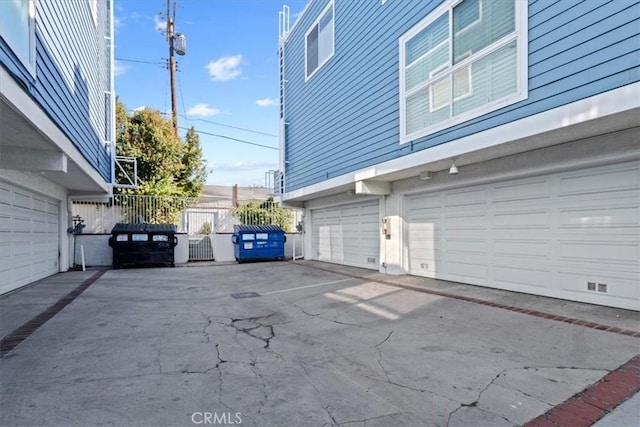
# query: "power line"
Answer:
x=232 y=127
x=222 y=124
x=232 y=139
x=139 y=61
x=184 y=108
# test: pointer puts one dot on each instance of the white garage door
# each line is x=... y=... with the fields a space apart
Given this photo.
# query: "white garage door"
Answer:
x=573 y=235
x=347 y=234
x=28 y=237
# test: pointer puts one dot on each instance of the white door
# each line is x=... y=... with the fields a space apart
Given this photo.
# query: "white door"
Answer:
x=574 y=235
x=28 y=237
x=347 y=234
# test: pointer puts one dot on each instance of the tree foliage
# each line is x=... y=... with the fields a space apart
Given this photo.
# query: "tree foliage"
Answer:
x=167 y=166
x=267 y=212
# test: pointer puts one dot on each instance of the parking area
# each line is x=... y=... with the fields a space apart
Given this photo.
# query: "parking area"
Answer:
x=303 y=344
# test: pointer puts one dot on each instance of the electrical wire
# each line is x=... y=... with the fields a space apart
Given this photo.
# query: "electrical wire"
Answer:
x=230 y=138
x=232 y=127
x=184 y=108
x=139 y=61
x=190 y=118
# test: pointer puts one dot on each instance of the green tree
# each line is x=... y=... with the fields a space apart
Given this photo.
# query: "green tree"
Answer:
x=267 y=212
x=167 y=167
x=194 y=172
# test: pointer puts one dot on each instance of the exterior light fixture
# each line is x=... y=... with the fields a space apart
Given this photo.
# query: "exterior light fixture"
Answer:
x=453 y=170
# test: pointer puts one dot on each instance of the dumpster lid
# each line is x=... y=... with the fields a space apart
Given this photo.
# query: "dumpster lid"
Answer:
x=122 y=227
x=257 y=228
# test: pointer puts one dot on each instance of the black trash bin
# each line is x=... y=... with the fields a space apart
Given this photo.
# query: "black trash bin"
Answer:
x=143 y=244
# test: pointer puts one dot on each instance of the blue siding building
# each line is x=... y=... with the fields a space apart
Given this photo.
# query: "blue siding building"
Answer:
x=469 y=140
x=57 y=108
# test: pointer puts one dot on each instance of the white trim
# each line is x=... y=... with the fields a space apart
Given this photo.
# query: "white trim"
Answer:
x=21 y=102
x=93 y=7
x=29 y=62
x=315 y=24
x=599 y=106
x=521 y=93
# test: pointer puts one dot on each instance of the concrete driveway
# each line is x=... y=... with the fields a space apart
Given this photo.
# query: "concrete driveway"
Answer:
x=284 y=344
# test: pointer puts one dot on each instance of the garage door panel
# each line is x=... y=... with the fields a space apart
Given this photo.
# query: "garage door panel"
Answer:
x=466 y=221
x=29 y=232
x=544 y=235
x=590 y=217
x=465 y=246
x=589 y=182
x=507 y=275
x=21 y=200
x=522 y=219
x=465 y=198
x=458 y=270
x=519 y=248
x=5 y=196
x=592 y=251
x=353 y=238
x=521 y=192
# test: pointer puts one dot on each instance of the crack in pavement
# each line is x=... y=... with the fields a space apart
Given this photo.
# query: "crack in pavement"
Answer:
x=377 y=347
x=157 y=358
x=319 y=316
x=364 y=421
x=475 y=402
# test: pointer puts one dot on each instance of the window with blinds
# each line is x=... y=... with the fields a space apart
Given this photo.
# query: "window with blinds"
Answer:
x=465 y=59
x=319 y=41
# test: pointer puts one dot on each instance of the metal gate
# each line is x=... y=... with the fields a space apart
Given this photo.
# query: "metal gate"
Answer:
x=200 y=224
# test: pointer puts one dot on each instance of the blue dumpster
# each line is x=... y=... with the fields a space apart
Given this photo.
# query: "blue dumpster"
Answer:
x=258 y=242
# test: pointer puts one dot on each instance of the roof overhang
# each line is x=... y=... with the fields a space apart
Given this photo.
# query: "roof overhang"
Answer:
x=605 y=113
x=31 y=141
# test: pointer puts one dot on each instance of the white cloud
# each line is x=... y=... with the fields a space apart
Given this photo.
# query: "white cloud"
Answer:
x=202 y=110
x=266 y=102
x=225 y=68
x=160 y=24
x=140 y=108
x=119 y=69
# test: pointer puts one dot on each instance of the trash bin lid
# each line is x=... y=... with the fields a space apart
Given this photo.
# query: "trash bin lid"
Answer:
x=122 y=227
x=257 y=228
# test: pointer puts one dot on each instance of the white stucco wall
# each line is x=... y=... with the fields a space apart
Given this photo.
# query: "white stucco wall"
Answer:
x=98 y=253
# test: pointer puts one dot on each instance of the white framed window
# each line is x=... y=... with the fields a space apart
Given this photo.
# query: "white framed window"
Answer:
x=467 y=58
x=18 y=30
x=320 y=41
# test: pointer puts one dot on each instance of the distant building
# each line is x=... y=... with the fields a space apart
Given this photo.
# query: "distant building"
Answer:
x=494 y=143
x=56 y=128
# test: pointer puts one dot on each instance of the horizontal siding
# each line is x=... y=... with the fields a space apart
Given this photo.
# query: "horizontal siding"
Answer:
x=71 y=74
x=346 y=117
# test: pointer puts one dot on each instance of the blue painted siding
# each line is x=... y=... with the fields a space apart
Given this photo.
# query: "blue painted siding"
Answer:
x=346 y=117
x=71 y=74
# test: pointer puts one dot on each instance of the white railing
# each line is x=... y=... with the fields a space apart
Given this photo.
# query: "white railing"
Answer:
x=189 y=215
x=200 y=218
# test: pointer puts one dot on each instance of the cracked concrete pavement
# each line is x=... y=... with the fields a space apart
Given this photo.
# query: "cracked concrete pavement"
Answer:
x=166 y=346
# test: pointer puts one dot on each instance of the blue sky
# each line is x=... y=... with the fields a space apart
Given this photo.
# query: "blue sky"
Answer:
x=228 y=76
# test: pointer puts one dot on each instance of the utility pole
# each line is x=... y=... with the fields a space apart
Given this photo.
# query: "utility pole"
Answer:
x=171 y=17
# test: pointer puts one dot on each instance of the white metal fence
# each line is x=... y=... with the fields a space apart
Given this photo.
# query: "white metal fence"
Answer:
x=200 y=218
